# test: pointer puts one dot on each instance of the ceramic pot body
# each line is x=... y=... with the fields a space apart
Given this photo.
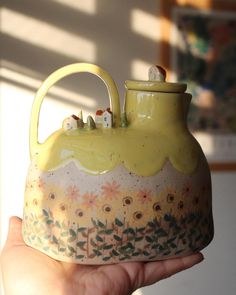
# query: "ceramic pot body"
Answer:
x=138 y=193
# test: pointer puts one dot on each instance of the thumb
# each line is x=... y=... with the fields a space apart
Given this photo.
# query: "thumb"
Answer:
x=14 y=236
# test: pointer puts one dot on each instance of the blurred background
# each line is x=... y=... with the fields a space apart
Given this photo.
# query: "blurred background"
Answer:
x=124 y=38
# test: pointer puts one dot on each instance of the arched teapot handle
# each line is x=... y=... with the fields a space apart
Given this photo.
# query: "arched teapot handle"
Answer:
x=58 y=75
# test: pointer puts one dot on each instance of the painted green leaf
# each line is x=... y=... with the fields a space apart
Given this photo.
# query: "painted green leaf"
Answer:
x=124 y=258
x=72 y=232
x=55 y=240
x=80 y=244
x=135 y=254
x=167 y=253
x=57 y=224
x=64 y=234
x=71 y=249
x=80 y=256
x=100 y=224
x=161 y=248
x=129 y=230
x=94 y=222
x=149 y=239
x=45 y=213
x=62 y=249
x=99 y=238
x=151 y=224
x=106 y=258
x=49 y=221
x=71 y=239
x=69 y=254
x=127 y=248
x=161 y=232
x=114 y=252
x=167 y=217
x=118 y=222
x=81 y=229
x=171 y=240
x=141 y=229
x=109 y=231
x=98 y=253
x=145 y=253
x=107 y=247
x=117 y=238
x=156 y=222
x=137 y=239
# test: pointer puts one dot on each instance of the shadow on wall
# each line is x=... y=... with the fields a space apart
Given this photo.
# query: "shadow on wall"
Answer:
x=41 y=36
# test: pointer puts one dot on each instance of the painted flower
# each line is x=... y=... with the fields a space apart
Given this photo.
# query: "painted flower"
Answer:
x=144 y=196
x=52 y=196
x=127 y=201
x=187 y=189
x=35 y=202
x=180 y=205
x=138 y=215
x=89 y=200
x=110 y=190
x=63 y=207
x=79 y=212
x=170 y=198
x=107 y=208
x=72 y=192
x=156 y=207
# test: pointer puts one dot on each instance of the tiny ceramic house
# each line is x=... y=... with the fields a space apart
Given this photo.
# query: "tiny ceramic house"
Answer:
x=107 y=119
x=70 y=123
x=98 y=117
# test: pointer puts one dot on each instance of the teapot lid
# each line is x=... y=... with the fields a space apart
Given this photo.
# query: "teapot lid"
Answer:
x=156 y=82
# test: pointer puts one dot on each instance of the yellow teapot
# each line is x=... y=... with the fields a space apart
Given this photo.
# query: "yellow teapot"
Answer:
x=119 y=187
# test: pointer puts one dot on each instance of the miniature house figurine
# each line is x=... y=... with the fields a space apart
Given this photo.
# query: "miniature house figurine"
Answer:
x=70 y=123
x=98 y=116
x=107 y=119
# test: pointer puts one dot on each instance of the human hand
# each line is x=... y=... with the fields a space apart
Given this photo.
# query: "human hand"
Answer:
x=30 y=272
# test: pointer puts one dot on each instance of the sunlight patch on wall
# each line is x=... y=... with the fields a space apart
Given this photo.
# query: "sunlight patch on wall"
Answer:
x=145 y=24
x=86 y=6
x=69 y=97
x=46 y=36
x=139 y=69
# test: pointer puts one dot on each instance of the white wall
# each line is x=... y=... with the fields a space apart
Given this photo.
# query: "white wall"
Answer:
x=122 y=37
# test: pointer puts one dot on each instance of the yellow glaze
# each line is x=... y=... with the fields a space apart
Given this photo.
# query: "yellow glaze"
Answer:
x=157 y=131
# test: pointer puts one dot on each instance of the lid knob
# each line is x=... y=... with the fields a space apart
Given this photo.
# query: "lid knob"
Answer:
x=156 y=73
